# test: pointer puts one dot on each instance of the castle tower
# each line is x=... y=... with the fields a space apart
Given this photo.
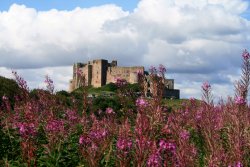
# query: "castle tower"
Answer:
x=99 y=72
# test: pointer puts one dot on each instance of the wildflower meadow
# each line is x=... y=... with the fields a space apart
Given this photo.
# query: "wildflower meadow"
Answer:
x=42 y=129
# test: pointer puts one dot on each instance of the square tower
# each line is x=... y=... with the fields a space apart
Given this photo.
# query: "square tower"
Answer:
x=99 y=72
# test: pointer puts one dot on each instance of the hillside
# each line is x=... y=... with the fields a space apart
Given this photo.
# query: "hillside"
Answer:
x=8 y=88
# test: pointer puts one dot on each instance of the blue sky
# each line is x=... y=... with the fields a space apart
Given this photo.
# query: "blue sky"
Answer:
x=44 y=5
x=197 y=40
x=67 y=4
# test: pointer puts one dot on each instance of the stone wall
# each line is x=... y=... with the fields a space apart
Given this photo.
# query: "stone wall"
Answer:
x=99 y=72
x=127 y=73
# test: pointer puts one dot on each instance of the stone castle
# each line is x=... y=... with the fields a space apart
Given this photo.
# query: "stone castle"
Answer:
x=100 y=72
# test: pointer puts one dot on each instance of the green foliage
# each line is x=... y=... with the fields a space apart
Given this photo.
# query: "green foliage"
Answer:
x=9 y=145
x=199 y=141
x=111 y=87
x=64 y=97
x=175 y=104
x=134 y=87
x=101 y=103
x=9 y=88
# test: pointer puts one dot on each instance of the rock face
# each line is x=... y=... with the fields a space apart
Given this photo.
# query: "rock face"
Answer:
x=100 y=72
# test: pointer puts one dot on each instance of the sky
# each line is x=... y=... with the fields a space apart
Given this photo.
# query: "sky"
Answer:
x=197 y=40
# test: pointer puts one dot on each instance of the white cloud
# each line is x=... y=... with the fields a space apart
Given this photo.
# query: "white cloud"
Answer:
x=196 y=40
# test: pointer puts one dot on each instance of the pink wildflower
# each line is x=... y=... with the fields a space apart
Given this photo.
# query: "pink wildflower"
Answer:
x=240 y=100
x=78 y=72
x=246 y=55
x=185 y=135
x=22 y=129
x=72 y=115
x=154 y=160
x=109 y=111
x=162 y=69
x=81 y=140
x=26 y=129
x=140 y=102
x=163 y=144
x=49 y=84
x=239 y=164
x=84 y=140
x=5 y=97
x=55 y=126
x=120 y=82
x=206 y=86
x=152 y=70
x=124 y=144
x=98 y=134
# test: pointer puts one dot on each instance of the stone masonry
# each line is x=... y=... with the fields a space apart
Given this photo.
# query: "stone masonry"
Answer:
x=100 y=72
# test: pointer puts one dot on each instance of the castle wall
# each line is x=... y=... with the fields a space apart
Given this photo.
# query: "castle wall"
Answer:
x=127 y=73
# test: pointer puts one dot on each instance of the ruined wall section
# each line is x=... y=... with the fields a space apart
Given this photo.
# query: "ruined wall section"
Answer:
x=127 y=73
x=75 y=82
x=169 y=83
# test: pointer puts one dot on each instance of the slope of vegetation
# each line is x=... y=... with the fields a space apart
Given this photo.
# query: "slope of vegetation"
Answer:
x=8 y=88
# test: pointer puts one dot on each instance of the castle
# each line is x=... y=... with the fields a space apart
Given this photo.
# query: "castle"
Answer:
x=100 y=72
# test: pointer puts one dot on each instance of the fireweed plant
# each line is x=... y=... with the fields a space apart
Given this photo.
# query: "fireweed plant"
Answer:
x=41 y=130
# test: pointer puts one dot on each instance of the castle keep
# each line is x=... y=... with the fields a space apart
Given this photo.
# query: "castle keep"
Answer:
x=100 y=72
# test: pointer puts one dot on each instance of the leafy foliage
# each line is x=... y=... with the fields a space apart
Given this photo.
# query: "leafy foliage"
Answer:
x=8 y=88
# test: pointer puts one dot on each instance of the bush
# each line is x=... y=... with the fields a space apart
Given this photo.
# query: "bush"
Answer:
x=8 y=88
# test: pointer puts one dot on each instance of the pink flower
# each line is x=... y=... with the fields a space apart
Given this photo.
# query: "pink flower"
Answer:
x=162 y=69
x=49 y=84
x=152 y=70
x=206 y=86
x=5 y=97
x=55 y=126
x=22 y=129
x=238 y=164
x=120 y=82
x=84 y=140
x=140 y=102
x=245 y=55
x=72 y=115
x=78 y=72
x=98 y=134
x=124 y=144
x=27 y=129
x=240 y=100
x=81 y=140
x=154 y=160
x=163 y=144
x=109 y=111
x=185 y=135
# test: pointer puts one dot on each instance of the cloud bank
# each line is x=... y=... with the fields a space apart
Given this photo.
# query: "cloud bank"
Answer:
x=196 y=40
